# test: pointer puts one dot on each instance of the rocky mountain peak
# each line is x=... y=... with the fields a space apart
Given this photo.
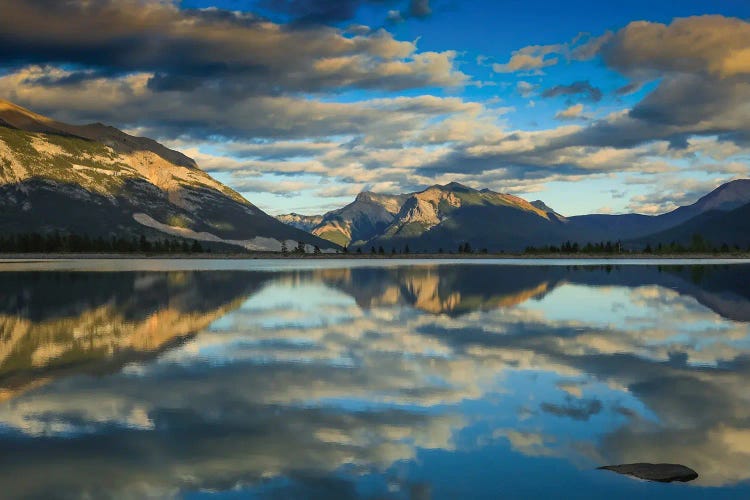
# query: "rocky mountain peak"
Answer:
x=365 y=196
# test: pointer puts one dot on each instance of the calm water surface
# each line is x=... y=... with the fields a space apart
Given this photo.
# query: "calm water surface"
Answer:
x=404 y=380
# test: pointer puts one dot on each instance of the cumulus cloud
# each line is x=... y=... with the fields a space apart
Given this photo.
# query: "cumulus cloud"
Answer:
x=316 y=11
x=704 y=80
x=582 y=88
x=629 y=88
x=129 y=101
x=525 y=88
x=575 y=409
x=287 y=188
x=704 y=84
x=573 y=112
x=585 y=47
x=695 y=97
x=277 y=149
x=311 y=12
x=419 y=8
x=186 y=49
x=534 y=57
x=196 y=78
x=710 y=45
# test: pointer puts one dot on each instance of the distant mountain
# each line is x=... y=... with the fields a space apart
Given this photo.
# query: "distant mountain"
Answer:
x=302 y=222
x=606 y=227
x=714 y=228
x=366 y=217
x=97 y=180
x=454 y=214
x=439 y=217
x=446 y=216
x=600 y=227
x=726 y=197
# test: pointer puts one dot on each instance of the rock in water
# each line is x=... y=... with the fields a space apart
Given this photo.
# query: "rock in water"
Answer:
x=663 y=473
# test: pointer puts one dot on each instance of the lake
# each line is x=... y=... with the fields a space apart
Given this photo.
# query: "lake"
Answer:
x=372 y=379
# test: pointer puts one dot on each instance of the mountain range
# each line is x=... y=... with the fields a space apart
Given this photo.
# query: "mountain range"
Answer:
x=99 y=181
x=446 y=216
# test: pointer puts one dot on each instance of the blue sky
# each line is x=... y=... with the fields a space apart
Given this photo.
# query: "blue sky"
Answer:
x=300 y=104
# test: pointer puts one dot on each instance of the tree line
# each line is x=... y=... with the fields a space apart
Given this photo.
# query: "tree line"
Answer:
x=463 y=248
x=74 y=243
x=698 y=244
x=57 y=242
x=608 y=247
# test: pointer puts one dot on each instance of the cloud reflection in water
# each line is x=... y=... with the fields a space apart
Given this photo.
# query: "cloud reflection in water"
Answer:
x=138 y=384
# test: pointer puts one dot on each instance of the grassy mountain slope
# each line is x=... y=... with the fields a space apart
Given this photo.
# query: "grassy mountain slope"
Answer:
x=715 y=228
x=101 y=181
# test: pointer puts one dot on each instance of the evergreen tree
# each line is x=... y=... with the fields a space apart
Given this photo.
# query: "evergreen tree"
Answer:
x=698 y=244
x=143 y=244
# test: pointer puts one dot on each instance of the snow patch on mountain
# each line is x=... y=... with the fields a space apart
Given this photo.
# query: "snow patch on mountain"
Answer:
x=257 y=244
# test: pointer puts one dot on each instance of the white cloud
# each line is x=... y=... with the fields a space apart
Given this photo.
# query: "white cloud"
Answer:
x=573 y=112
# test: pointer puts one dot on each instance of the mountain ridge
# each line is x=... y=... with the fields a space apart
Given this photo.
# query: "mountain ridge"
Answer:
x=97 y=180
x=444 y=216
x=23 y=119
x=712 y=228
x=406 y=219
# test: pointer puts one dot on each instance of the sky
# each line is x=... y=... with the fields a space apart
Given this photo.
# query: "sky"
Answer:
x=607 y=107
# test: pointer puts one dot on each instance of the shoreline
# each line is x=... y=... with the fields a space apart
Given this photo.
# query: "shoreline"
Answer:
x=278 y=256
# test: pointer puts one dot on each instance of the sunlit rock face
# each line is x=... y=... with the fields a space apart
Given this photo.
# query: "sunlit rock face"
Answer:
x=357 y=222
x=296 y=382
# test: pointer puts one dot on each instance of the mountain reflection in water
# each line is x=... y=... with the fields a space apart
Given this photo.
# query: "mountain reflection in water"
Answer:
x=401 y=382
